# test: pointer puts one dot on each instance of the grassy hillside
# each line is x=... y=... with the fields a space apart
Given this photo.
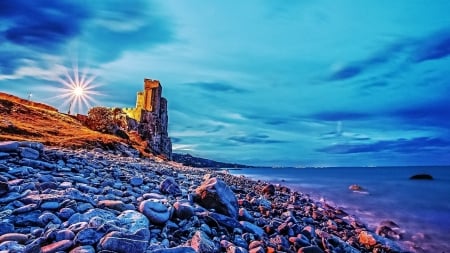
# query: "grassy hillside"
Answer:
x=29 y=121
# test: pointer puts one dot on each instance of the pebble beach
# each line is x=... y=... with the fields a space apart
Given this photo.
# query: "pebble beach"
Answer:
x=84 y=201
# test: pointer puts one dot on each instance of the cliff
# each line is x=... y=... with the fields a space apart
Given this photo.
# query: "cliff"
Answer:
x=150 y=118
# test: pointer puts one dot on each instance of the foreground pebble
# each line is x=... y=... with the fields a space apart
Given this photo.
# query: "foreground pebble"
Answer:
x=86 y=201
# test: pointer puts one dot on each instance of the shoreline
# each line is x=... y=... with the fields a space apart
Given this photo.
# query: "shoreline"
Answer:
x=56 y=199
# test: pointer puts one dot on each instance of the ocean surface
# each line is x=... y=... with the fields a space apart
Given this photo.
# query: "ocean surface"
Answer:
x=420 y=207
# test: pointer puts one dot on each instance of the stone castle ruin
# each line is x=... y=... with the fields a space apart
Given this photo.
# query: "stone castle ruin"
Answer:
x=150 y=117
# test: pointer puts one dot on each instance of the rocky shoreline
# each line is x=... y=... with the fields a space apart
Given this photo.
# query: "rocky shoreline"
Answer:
x=82 y=201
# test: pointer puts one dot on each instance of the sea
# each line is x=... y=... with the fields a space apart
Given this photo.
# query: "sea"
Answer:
x=421 y=208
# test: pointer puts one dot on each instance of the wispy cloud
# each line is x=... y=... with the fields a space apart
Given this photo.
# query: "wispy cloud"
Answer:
x=401 y=52
x=402 y=145
x=216 y=87
x=255 y=139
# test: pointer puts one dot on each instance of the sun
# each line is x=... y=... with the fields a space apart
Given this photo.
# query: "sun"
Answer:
x=77 y=93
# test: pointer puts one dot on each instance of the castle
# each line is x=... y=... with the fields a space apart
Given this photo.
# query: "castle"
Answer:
x=151 y=118
x=149 y=100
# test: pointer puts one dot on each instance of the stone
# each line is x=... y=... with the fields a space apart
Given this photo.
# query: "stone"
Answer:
x=4 y=188
x=201 y=243
x=367 y=239
x=65 y=213
x=244 y=215
x=121 y=242
x=421 y=177
x=29 y=219
x=114 y=204
x=50 y=205
x=215 y=194
x=20 y=171
x=57 y=246
x=9 y=146
x=86 y=217
x=83 y=249
x=11 y=246
x=156 y=212
x=355 y=187
x=47 y=217
x=65 y=234
x=133 y=221
x=6 y=227
x=226 y=221
x=179 y=249
x=170 y=186
x=269 y=190
x=183 y=210
x=252 y=228
x=310 y=249
x=88 y=236
x=29 y=153
x=136 y=181
x=20 y=238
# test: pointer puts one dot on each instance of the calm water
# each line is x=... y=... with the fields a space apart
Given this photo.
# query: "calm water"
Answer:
x=420 y=207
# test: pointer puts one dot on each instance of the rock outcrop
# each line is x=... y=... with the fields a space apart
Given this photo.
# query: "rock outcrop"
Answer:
x=150 y=118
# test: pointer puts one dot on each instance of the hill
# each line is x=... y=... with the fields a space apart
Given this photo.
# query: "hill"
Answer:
x=23 y=120
x=192 y=161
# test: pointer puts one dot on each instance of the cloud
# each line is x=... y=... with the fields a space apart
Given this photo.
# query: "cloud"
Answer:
x=216 y=87
x=100 y=31
x=386 y=55
x=44 y=25
x=255 y=139
x=434 y=47
x=436 y=113
x=408 y=146
x=339 y=115
x=410 y=50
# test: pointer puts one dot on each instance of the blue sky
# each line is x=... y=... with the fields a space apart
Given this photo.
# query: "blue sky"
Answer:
x=302 y=83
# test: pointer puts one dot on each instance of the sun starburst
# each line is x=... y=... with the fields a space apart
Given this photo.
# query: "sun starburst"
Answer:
x=78 y=91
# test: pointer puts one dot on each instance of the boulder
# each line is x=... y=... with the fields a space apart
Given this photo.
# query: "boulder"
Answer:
x=215 y=194
x=156 y=212
x=421 y=177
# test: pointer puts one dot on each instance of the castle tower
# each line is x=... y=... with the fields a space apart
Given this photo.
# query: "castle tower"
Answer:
x=152 y=95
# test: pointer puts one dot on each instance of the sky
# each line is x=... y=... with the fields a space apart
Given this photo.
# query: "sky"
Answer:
x=281 y=83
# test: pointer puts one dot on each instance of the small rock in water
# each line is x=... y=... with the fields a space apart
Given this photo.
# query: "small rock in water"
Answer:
x=421 y=177
x=355 y=187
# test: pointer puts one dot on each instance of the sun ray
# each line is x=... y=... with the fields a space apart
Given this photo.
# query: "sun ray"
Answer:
x=78 y=89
